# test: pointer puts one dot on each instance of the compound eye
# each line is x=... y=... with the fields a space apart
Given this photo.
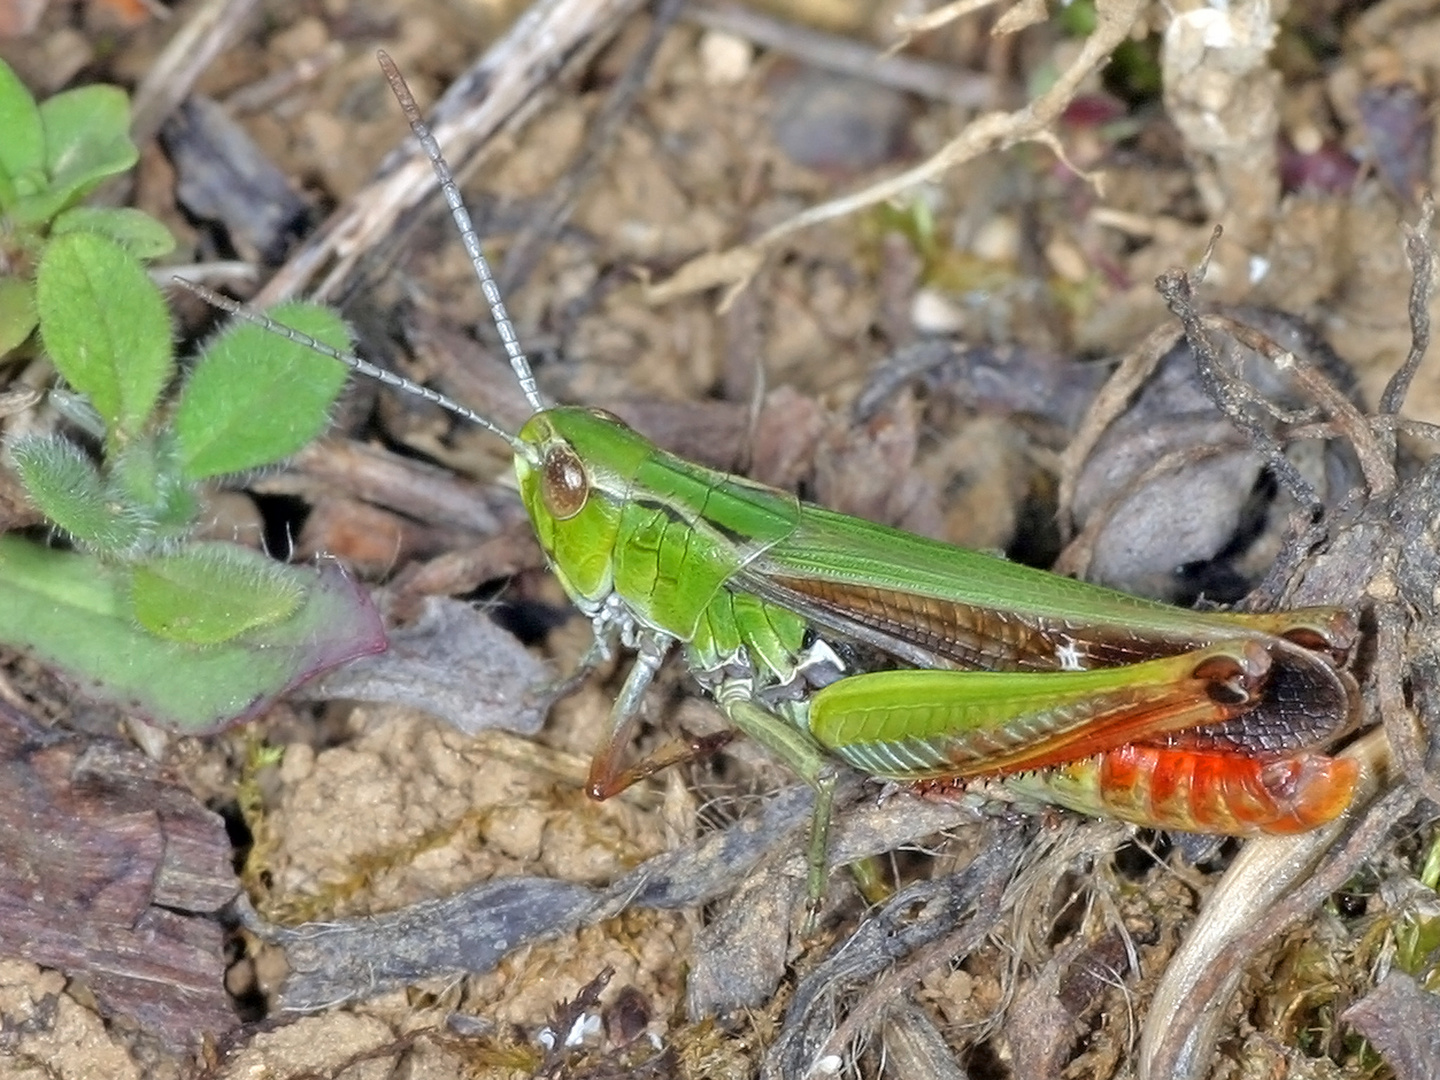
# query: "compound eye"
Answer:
x=564 y=485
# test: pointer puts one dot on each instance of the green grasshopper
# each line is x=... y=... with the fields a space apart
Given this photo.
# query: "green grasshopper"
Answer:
x=1071 y=693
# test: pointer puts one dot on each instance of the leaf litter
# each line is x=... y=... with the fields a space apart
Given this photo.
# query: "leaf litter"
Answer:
x=390 y=839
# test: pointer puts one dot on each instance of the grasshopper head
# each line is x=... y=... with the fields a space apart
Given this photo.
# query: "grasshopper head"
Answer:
x=574 y=484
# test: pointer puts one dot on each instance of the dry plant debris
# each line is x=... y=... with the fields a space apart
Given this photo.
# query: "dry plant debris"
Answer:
x=914 y=298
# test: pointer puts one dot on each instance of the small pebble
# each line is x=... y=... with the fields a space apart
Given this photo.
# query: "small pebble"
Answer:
x=998 y=240
x=725 y=58
x=834 y=123
x=1067 y=260
x=932 y=313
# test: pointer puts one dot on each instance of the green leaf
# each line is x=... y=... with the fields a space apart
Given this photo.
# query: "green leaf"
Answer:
x=256 y=397
x=77 y=409
x=71 y=612
x=205 y=594
x=67 y=488
x=17 y=312
x=86 y=141
x=106 y=327
x=34 y=211
x=87 y=138
x=134 y=230
x=22 y=150
x=133 y=475
x=146 y=475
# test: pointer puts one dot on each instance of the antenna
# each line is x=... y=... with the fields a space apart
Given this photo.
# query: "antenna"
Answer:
x=468 y=236
x=518 y=362
x=355 y=364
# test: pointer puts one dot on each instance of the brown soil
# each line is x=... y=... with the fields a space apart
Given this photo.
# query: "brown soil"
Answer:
x=374 y=808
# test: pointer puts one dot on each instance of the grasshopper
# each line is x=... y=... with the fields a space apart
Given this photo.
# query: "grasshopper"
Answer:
x=1070 y=693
